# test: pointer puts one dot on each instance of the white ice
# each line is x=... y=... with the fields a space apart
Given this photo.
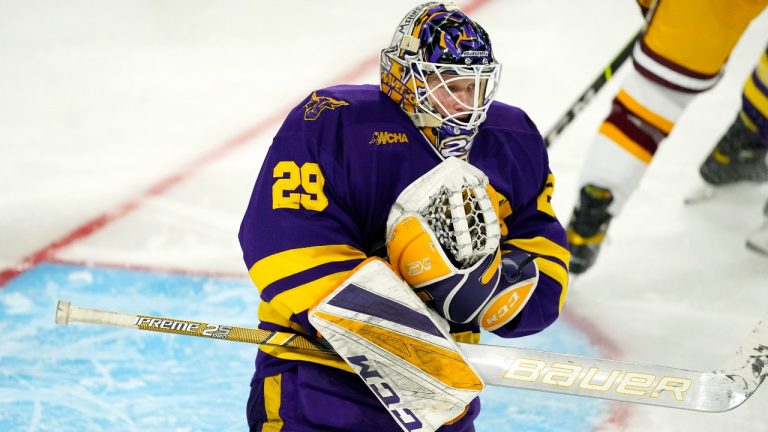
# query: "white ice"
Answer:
x=101 y=100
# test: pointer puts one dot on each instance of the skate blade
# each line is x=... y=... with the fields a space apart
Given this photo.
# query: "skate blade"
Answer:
x=758 y=249
x=758 y=241
x=700 y=194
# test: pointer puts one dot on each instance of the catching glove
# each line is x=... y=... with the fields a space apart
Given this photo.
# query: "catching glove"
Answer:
x=443 y=239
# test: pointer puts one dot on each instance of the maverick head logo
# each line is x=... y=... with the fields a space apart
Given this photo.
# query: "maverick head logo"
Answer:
x=317 y=104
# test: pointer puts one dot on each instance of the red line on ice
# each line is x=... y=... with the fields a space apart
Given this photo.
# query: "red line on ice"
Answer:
x=157 y=269
x=618 y=413
x=88 y=228
x=47 y=253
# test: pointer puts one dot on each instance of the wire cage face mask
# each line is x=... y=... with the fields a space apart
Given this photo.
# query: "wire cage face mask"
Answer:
x=455 y=95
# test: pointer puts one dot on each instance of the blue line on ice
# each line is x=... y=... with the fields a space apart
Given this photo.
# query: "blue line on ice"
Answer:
x=90 y=378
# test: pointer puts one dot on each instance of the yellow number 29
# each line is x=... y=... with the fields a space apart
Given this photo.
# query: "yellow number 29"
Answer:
x=289 y=177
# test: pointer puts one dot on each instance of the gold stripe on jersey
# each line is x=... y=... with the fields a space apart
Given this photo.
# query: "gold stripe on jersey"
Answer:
x=544 y=200
x=542 y=246
x=755 y=96
x=296 y=300
x=504 y=208
x=762 y=69
x=644 y=113
x=304 y=296
x=293 y=301
x=556 y=272
x=748 y=122
x=272 y=397
x=276 y=313
x=616 y=135
x=284 y=353
x=274 y=267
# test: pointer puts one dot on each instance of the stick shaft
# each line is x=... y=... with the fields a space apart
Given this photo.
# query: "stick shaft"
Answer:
x=65 y=313
x=586 y=96
x=521 y=368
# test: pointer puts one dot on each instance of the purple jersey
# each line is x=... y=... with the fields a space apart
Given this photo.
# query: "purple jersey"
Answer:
x=321 y=201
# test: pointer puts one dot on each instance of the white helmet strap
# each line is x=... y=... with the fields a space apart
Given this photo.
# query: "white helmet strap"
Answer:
x=410 y=44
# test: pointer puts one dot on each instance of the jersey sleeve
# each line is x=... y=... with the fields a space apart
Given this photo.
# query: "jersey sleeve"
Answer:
x=531 y=228
x=297 y=236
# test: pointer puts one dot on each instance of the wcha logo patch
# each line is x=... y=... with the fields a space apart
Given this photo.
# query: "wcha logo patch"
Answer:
x=381 y=138
x=317 y=104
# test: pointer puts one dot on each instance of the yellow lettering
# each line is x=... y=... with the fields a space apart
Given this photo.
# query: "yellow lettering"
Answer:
x=587 y=384
x=678 y=386
x=380 y=138
x=397 y=86
x=525 y=370
x=636 y=384
x=561 y=374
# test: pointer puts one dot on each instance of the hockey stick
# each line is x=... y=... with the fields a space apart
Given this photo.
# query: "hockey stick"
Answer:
x=585 y=97
x=717 y=391
x=66 y=313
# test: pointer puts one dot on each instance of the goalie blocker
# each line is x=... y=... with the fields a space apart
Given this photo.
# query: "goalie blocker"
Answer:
x=403 y=353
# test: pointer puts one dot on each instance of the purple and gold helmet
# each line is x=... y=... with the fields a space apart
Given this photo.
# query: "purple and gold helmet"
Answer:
x=435 y=51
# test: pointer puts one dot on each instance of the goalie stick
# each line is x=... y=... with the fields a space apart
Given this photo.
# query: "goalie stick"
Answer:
x=522 y=368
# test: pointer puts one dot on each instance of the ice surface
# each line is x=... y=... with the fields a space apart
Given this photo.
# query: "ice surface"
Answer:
x=102 y=102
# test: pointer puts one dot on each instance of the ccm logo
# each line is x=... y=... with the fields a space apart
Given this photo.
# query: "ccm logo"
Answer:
x=571 y=375
x=385 y=393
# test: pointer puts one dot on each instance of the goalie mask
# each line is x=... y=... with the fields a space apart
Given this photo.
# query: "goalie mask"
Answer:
x=440 y=69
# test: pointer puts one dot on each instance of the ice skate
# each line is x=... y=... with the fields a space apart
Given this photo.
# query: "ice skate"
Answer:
x=758 y=240
x=587 y=228
x=739 y=156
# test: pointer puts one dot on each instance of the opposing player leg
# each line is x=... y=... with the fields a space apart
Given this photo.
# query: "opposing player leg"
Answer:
x=680 y=55
x=741 y=153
